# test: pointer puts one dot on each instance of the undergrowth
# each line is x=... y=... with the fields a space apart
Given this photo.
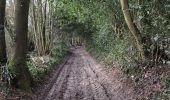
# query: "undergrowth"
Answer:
x=5 y=79
x=111 y=49
x=41 y=66
x=120 y=52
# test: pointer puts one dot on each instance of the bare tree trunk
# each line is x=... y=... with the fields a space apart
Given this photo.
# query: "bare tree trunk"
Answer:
x=22 y=77
x=41 y=16
x=44 y=27
x=3 y=57
x=132 y=27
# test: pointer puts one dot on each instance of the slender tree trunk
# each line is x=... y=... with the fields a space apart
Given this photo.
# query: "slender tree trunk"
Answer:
x=3 y=57
x=44 y=27
x=41 y=14
x=22 y=77
x=132 y=27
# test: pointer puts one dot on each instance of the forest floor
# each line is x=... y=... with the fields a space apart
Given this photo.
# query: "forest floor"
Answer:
x=81 y=78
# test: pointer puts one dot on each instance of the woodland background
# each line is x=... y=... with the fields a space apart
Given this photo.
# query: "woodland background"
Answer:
x=134 y=34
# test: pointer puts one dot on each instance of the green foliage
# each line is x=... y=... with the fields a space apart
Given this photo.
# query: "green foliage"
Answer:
x=58 y=54
x=5 y=78
x=99 y=19
x=152 y=18
x=36 y=72
x=18 y=78
x=11 y=68
x=167 y=80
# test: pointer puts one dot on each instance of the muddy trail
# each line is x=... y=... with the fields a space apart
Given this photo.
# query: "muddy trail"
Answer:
x=81 y=78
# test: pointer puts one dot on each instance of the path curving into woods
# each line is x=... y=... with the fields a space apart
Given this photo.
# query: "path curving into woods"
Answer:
x=81 y=78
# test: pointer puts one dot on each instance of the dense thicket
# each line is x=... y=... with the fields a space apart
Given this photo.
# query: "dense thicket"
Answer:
x=137 y=33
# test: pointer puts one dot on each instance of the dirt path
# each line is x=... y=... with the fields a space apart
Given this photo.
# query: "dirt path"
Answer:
x=81 y=78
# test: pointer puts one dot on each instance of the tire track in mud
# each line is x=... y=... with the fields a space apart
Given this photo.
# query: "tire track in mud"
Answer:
x=61 y=81
x=81 y=79
x=73 y=91
x=99 y=90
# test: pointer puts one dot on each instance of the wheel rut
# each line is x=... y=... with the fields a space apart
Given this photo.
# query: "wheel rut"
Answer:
x=81 y=79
